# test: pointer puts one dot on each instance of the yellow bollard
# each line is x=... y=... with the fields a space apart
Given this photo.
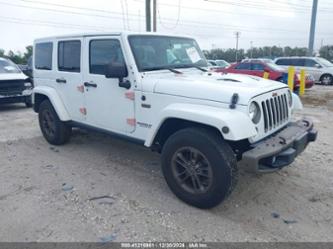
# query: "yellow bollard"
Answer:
x=291 y=76
x=266 y=75
x=302 y=83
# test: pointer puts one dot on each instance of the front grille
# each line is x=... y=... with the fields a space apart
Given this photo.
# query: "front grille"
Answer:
x=275 y=111
x=11 y=87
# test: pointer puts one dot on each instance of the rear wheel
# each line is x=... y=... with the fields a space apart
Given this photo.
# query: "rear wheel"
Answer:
x=326 y=79
x=54 y=130
x=199 y=167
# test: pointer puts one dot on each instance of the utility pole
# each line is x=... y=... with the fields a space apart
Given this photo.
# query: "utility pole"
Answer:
x=237 y=34
x=148 y=15
x=154 y=15
x=312 y=27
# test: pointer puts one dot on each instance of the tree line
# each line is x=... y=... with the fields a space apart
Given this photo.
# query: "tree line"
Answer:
x=213 y=54
x=17 y=57
x=264 y=52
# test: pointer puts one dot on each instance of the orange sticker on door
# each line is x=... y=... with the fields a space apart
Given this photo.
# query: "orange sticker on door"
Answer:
x=83 y=110
x=130 y=95
x=80 y=88
x=131 y=121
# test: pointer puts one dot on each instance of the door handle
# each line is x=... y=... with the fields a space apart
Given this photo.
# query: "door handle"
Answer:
x=62 y=80
x=90 y=84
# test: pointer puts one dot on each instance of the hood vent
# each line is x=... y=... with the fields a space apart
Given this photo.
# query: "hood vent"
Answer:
x=232 y=80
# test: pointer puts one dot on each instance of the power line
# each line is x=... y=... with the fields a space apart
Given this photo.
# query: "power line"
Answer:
x=177 y=20
x=171 y=20
x=48 y=24
x=184 y=22
x=252 y=4
x=224 y=12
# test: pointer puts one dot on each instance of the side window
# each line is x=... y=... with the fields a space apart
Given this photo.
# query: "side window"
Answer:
x=298 y=62
x=257 y=67
x=103 y=52
x=43 y=56
x=310 y=63
x=243 y=66
x=69 y=56
x=283 y=62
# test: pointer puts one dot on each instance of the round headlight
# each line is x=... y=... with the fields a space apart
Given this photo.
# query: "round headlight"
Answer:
x=290 y=98
x=254 y=112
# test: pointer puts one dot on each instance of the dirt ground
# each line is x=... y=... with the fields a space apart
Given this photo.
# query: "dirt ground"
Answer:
x=47 y=193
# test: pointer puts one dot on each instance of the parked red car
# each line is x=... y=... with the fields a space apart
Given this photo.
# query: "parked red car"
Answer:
x=258 y=67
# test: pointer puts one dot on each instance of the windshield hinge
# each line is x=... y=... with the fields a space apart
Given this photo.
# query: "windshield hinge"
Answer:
x=234 y=100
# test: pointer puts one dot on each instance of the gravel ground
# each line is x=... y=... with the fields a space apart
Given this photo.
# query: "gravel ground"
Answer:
x=47 y=193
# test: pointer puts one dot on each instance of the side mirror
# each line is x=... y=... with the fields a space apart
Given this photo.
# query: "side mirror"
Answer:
x=117 y=71
x=317 y=66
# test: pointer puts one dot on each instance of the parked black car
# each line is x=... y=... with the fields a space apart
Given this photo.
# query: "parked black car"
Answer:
x=15 y=86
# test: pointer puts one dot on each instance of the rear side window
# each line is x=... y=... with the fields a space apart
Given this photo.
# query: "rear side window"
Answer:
x=258 y=67
x=298 y=62
x=103 y=52
x=43 y=56
x=69 y=56
x=284 y=62
x=243 y=66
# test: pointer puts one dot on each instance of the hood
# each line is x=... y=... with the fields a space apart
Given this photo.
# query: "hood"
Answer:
x=210 y=86
x=13 y=76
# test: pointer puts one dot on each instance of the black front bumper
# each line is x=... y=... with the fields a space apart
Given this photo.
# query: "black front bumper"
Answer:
x=280 y=149
x=15 y=99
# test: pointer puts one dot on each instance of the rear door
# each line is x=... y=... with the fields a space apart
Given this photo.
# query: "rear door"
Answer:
x=69 y=79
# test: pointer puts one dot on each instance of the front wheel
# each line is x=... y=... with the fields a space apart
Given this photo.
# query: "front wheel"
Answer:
x=199 y=167
x=54 y=130
x=326 y=79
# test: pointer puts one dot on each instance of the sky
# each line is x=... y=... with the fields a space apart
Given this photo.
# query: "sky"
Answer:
x=212 y=22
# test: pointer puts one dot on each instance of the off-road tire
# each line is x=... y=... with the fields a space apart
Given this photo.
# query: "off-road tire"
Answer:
x=61 y=131
x=221 y=159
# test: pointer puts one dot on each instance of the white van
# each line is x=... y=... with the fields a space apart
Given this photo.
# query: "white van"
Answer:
x=320 y=68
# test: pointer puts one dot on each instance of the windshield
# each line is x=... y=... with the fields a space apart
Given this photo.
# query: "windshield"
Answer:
x=325 y=62
x=163 y=52
x=6 y=66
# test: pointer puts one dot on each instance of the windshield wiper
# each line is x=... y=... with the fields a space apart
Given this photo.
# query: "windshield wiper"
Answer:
x=200 y=68
x=162 y=68
x=195 y=66
x=174 y=70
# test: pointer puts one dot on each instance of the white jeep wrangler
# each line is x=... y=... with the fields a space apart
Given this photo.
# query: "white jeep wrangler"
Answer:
x=155 y=90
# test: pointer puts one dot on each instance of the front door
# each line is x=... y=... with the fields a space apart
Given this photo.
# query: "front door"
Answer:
x=108 y=106
x=311 y=68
